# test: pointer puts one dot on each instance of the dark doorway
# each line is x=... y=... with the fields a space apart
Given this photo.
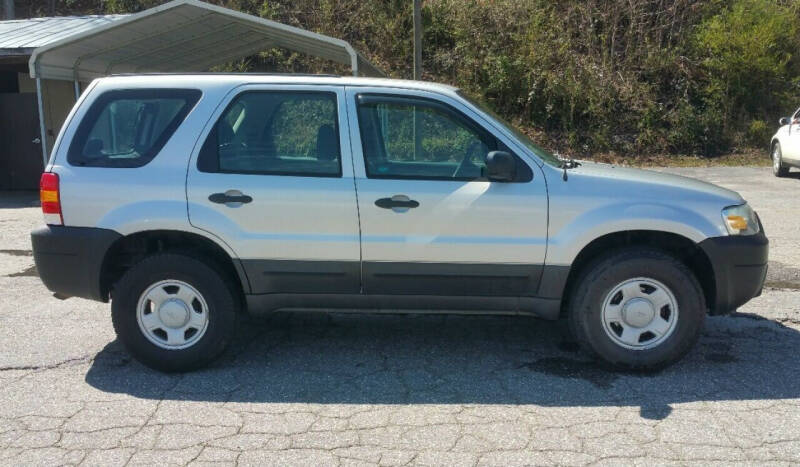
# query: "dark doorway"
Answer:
x=20 y=147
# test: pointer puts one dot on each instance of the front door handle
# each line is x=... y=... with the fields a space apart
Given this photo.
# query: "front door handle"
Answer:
x=230 y=197
x=397 y=203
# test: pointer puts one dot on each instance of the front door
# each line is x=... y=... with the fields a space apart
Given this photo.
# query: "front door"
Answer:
x=431 y=223
x=273 y=180
x=792 y=150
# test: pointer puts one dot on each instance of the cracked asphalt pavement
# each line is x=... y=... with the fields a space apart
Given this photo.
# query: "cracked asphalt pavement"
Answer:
x=347 y=389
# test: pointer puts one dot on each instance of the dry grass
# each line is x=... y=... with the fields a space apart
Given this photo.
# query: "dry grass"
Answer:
x=752 y=157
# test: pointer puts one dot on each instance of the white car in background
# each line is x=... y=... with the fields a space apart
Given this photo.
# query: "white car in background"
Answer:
x=785 y=145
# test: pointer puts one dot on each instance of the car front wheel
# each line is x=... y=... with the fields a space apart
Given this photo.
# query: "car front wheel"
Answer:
x=637 y=308
x=173 y=312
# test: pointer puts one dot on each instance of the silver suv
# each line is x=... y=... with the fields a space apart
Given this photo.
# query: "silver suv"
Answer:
x=187 y=200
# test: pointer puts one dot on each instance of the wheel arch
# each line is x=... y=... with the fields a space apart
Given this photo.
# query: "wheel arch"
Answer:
x=129 y=249
x=683 y=248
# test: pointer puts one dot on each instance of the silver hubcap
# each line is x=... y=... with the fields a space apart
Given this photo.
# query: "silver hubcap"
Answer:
x=776 y=159
x=639 y=313
x=172 y=314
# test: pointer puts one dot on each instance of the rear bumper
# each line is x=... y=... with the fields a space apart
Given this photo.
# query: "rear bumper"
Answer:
x=69 y=259
x=740 y=267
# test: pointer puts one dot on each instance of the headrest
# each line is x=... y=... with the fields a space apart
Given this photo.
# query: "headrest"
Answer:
x=327 y=144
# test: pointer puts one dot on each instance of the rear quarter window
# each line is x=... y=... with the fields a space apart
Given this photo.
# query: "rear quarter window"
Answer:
x=127 y=128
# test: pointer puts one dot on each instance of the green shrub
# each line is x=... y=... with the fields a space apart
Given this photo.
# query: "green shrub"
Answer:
x=759 y=133
x=748 y=53
x=629 y=76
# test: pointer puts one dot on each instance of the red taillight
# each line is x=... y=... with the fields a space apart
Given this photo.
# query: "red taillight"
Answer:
x=50 y=197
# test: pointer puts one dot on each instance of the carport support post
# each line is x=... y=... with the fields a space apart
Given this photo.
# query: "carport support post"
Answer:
x=77 y=90
x=42 y=129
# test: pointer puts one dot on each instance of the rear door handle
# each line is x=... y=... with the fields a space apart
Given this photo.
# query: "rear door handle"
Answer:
x=230 y=197
x=399 y=203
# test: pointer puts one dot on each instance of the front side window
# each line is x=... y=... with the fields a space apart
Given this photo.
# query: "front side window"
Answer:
x=127 y=128
x=413 y=138
x=275 y=133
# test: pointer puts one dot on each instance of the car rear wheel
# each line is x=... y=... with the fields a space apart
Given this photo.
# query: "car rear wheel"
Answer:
x=778 y=169
x=638 y=309
x=173 y=312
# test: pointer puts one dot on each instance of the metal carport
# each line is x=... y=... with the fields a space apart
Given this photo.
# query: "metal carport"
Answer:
x=179 y=36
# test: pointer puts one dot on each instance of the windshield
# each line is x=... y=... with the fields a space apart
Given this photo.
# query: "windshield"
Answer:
x=543 y=154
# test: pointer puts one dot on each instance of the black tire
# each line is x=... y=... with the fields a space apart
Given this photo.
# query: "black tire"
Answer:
x=601 y=276
x=216 y=290
x=778 y=168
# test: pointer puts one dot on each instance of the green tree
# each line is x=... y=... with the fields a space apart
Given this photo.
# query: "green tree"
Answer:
x=585 y=76
x=748 y=54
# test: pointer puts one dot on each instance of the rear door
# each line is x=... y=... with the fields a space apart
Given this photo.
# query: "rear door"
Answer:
x=431 y=223
x=273 y=179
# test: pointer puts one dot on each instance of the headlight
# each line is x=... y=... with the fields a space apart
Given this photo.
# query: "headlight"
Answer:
x=740 y=220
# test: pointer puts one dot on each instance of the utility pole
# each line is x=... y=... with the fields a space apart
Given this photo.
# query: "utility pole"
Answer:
x=8 y=9
x=417 y=74
x=417 y=39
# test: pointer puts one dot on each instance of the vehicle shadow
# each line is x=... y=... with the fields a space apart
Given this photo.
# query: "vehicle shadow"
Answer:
x=424 y=359
x=19 y=199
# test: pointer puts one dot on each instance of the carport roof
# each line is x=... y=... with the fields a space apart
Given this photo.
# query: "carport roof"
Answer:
x=22 y=36
x=181 y=36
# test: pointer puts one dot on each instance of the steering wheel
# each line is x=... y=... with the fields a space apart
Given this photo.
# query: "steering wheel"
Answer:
x=468 y=156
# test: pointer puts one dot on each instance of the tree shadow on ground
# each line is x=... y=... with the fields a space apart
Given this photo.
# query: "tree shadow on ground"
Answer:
x=424 y=359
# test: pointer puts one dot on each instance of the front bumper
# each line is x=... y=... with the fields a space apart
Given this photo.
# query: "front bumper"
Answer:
x=69 y=260
x=740 y=267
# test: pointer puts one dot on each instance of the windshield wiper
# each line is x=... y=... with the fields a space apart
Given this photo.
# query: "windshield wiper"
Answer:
x=567 y=163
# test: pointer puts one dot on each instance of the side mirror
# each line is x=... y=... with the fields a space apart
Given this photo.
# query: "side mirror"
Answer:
x=501 y=166
x=784 y=121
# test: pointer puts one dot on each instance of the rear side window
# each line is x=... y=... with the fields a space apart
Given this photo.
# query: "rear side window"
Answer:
x=127 y=128
x=275 y=133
